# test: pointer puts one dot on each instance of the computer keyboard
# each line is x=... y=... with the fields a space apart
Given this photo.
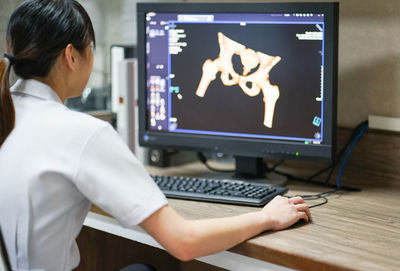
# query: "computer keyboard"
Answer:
x=221 y=191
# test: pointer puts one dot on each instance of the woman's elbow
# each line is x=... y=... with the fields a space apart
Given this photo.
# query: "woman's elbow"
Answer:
x=184 y=255
x=187 y=247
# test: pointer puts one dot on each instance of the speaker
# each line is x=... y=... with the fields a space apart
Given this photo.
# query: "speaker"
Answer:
x=159 y=157
x=169 y=157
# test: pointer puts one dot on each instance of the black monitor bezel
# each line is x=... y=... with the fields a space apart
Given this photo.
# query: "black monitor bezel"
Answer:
x=248 y=147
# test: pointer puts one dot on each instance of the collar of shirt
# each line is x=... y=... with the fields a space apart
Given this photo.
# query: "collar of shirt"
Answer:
x=36 y=89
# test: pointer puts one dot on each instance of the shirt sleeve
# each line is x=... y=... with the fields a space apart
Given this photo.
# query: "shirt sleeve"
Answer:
x=111 y=177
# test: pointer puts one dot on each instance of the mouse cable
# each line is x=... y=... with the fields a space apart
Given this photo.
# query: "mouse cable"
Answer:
x=322 y=195
x=319 y=204
x=357 y=133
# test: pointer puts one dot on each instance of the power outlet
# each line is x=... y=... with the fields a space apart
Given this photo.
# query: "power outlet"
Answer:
x=384 y=123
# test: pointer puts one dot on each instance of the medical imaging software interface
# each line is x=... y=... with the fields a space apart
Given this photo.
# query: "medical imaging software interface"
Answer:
x=240 y=75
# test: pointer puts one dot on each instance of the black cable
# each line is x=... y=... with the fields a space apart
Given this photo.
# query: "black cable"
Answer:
x=276 y=165
x=320 y=171
x=340 y=153
x=319 y=204
x=355 y=133
x=322 y=195
x=203 y=159
x=314 y=197
x=331 y=167
x=290 y=176
x=328 y=177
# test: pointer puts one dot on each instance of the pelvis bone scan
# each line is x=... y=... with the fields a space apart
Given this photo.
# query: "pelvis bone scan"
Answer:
x=259 y=79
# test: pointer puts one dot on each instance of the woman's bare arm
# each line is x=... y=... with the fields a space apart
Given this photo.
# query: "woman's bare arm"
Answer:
x=189 y=239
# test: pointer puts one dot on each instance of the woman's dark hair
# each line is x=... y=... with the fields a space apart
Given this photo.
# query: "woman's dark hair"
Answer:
x=38 y=31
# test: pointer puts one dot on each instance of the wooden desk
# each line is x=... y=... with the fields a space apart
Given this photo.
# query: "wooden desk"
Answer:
x=353 y=231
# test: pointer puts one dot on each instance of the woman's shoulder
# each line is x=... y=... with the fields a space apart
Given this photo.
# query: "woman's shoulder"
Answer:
x=82 y=122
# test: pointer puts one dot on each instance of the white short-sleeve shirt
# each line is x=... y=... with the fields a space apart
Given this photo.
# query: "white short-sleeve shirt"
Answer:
x=53 y=164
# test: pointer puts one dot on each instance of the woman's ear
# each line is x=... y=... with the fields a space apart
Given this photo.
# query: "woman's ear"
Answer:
x=70 y=57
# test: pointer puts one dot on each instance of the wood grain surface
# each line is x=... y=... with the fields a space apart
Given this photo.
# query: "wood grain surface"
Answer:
x=353 y=231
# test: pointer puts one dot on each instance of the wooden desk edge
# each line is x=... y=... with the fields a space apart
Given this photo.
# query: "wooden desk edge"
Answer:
x=226 y=260
x=269 y=255
x=283 y=258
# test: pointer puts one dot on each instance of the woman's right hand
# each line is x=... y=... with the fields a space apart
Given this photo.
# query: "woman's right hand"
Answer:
x=283 y=212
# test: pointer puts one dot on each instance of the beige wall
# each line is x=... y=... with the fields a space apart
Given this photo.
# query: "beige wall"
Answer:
x=369 y=51
x=6 y=8
x=369 y=60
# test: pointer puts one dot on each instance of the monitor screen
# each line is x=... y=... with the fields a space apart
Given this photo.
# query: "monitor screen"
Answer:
x=246 y=79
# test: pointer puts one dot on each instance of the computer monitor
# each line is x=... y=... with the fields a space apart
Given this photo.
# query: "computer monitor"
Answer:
x=253 y=80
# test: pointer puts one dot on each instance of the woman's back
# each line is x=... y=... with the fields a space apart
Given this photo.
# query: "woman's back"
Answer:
x=54 y=163
x=37 y=193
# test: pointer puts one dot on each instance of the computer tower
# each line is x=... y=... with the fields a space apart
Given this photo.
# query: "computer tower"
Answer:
x=124 y=97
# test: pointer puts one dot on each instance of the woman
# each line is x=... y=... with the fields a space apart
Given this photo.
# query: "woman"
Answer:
x=54 y=162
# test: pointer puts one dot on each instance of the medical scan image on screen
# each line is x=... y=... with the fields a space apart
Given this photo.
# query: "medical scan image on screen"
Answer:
x=261 y=77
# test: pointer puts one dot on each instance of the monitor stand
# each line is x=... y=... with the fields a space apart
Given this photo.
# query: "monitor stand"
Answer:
x=251 y=169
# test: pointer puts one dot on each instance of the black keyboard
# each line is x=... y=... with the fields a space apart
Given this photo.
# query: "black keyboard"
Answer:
x=221 y=191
